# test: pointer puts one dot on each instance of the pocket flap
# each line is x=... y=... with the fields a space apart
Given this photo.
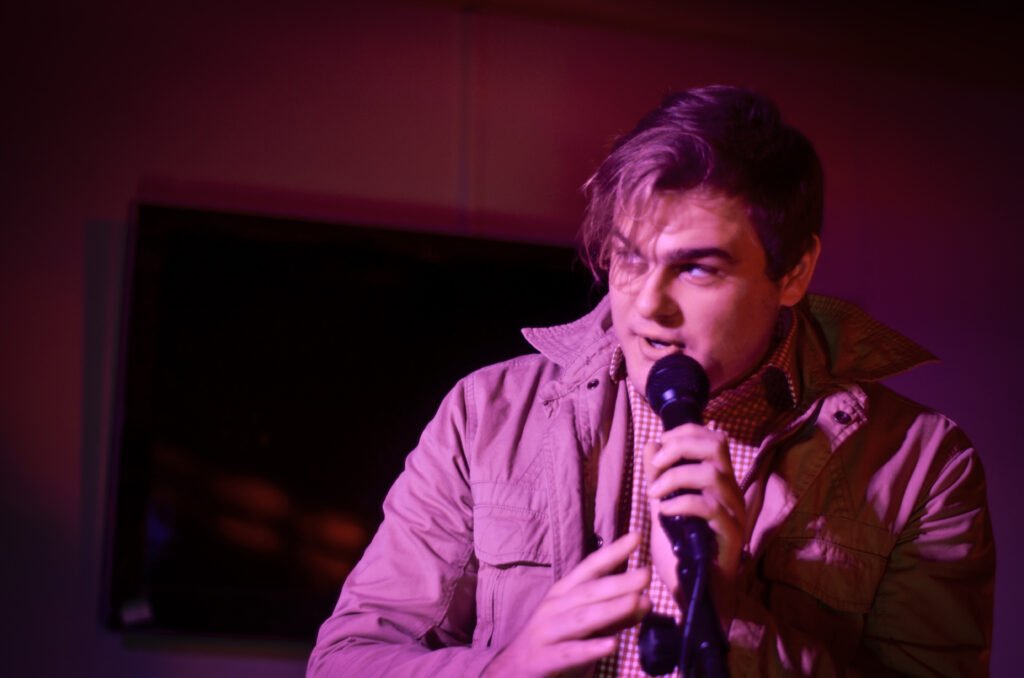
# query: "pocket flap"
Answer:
x=510 y=525
x=843 y=578
x=837 y=560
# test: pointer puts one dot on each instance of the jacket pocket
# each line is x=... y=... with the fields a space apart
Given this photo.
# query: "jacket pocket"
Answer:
x=511 y=542
x=510 y=525
x=841 y=577
x=838 y=561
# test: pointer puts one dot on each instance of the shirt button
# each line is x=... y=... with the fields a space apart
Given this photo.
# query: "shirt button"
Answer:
x=842 y=417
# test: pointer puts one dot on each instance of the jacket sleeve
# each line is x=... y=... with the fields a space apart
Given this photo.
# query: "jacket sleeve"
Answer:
x=931 y=613
x=933 y=609
x=408 y=607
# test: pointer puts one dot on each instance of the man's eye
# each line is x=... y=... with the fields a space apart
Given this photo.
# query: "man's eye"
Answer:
x=698 y=272
x=629 y=259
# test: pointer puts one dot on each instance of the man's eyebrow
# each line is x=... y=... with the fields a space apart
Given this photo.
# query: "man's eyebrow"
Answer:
x=691 y=253
x=683 y=253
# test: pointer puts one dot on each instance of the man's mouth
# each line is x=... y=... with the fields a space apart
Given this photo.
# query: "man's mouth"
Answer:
x=658 y=344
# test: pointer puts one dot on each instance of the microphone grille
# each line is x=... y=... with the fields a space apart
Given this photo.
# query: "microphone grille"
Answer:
x=677 y=378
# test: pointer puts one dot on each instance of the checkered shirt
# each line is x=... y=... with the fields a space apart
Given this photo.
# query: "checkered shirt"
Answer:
x=746 y=413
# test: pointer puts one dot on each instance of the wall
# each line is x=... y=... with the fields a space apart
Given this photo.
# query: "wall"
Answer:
x=479 y=122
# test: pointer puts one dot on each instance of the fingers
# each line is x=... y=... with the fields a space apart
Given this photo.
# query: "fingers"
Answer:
x=710 y=468
x=713 y=493
x=610 y=586
x=717 y=491
x=599 y=563
x=604 y=594
x=587 y=618
x=690 y=442
x=724 y=522
x=576 y=622
x=716 y=497
x=594 y=598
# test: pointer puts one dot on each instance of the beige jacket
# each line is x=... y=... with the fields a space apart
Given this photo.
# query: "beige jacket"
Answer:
x=869 y=544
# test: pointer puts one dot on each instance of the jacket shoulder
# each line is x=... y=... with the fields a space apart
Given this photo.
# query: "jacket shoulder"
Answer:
x=516 y=379
x=889 y=409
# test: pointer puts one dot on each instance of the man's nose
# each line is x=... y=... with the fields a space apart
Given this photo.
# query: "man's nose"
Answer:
x=654 y=298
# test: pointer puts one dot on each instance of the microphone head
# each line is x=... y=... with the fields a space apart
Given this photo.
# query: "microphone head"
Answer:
x=677 y=390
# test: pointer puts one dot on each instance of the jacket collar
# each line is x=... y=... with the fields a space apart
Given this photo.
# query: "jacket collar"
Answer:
x=843 y=344
x=578 y=346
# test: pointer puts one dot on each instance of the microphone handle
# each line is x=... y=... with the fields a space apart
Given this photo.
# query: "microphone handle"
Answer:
x=695 y=547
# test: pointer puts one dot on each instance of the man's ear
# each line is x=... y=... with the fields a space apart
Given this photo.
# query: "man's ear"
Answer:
x=794 y=283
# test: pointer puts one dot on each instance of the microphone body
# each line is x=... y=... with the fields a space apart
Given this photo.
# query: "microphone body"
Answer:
x=678 y=390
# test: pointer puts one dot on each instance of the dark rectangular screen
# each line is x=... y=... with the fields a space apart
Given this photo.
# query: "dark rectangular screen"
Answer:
x=275 y=374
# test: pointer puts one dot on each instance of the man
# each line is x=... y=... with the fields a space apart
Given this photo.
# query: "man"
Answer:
x=851 y=524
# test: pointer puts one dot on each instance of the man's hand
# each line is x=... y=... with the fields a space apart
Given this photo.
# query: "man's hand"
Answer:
x=577 y=620
x=717 y=499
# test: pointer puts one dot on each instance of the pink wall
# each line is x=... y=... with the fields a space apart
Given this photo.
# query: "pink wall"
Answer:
x=482 y=123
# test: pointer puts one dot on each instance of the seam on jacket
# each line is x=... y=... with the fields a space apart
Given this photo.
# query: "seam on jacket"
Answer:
x=956 y=450
x=581 y=417
x=556 y=540
x=449 y=594
x=468 y=391
x=955 y=453
x=525 y=359
x=833 y=542
x=497 y=600
x=515 y=509
x=881 y=529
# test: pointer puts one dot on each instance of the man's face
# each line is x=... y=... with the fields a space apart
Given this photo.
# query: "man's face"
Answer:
x=693 y=280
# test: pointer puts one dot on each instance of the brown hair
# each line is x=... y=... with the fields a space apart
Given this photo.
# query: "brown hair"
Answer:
x=717 y=139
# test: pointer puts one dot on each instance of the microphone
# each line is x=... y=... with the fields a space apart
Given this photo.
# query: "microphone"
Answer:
x=678 y=390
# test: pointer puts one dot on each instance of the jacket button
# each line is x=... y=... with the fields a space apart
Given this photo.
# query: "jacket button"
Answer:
x=842 y=417
x=593 y=383
x=598 y=540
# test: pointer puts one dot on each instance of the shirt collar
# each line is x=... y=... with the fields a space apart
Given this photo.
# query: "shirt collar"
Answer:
x=775 y=383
